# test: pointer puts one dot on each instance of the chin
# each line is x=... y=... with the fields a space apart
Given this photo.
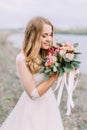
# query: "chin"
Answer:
x=46 y=48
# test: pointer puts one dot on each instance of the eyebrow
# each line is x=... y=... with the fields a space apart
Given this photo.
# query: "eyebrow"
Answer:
x=47 y=33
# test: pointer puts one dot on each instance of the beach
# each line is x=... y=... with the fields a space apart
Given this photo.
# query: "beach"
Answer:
x=11 y=86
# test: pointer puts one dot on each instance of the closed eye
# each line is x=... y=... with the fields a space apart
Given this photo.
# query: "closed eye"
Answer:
x=43 y=36
x=46 y=34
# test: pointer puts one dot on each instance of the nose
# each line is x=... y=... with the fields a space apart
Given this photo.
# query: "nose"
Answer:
x=49 y=39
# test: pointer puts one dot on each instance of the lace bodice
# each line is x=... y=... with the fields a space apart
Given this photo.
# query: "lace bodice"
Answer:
x=39 y=77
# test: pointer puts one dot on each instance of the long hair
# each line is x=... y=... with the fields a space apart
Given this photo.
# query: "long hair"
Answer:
x=32 y=45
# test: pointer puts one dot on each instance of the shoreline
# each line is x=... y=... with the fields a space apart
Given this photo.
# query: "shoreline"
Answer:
x=17 y=40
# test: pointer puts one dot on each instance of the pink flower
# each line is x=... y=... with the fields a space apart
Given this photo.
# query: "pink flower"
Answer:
x=53 y=50
x=62 y=52
x=63 y=48
x=69 y=56
x=70 y=47
x=50 y=60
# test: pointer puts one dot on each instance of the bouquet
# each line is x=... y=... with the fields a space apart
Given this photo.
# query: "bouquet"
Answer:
x=62 y=59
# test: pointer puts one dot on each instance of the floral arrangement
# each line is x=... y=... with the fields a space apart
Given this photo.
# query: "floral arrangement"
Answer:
x=61 y=58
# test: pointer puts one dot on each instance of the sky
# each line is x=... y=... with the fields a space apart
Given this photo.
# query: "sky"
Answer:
x=62 y=13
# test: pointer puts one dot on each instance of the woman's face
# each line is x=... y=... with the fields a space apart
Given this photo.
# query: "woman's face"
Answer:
x=46 y=37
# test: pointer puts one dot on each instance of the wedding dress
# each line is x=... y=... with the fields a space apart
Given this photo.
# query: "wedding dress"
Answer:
x=39 y=114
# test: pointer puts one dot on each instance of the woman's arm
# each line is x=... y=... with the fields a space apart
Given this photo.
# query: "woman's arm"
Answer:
x=27 y=79
x=44 y=86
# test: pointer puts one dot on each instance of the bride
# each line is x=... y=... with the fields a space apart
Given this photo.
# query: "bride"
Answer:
x=37 y=108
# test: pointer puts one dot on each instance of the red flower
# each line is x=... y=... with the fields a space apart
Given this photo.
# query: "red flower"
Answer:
x=53 y=50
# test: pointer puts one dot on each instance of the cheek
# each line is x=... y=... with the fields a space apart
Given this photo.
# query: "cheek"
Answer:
x=42 y=45
x=42 y=42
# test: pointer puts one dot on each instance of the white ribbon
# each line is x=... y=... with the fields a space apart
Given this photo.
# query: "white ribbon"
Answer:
x=68 y=80
x=60 y=86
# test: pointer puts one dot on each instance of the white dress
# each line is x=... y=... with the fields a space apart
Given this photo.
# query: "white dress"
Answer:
x=39 y=114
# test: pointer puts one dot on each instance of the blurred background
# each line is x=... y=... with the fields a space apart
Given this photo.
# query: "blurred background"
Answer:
x=63 y=13
x=69 y=18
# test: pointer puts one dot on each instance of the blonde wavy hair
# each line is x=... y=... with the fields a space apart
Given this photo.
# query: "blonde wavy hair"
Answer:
x=32 y=45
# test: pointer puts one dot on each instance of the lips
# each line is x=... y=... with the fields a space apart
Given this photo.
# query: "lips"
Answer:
x=47 y=44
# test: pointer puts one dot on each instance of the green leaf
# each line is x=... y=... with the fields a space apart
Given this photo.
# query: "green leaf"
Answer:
x=75 y=44
x=75 y=56
x=61 y=71
x=56 y=64
x=66 y=59
x=47 y=70
x=46 y=77
x=54 y=69
x=67 y=69
x=77 y=53
x=41 y=69
x=68 y=65
x=76 y=64
x=59 y=44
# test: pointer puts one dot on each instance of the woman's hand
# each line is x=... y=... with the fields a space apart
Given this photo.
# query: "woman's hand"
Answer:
x=54 y=77
x=44 y=86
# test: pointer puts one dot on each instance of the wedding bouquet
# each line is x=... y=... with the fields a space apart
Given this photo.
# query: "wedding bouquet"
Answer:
x=62 y=59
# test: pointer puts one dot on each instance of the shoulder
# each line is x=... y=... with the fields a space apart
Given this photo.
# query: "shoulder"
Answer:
x=20 y=58
x=21 y=65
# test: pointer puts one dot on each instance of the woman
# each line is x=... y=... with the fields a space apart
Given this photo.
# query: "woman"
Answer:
x=36 y=108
